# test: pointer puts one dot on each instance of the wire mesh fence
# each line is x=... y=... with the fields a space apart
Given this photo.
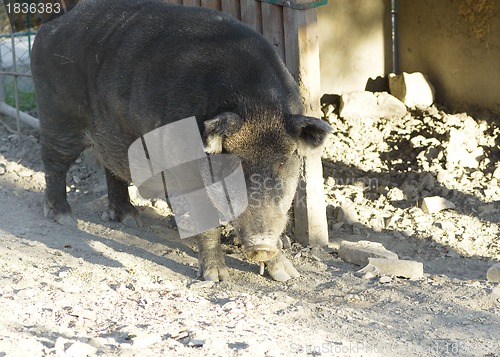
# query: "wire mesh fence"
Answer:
x=17 y=94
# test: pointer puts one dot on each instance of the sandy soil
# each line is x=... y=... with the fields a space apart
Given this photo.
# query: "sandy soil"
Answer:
x=104 y=289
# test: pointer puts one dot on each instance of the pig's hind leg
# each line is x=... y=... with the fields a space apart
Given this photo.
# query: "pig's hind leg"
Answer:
x=120 y=208
x=57 y=155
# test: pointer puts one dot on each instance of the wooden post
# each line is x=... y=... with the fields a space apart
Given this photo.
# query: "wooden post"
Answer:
x=212 y=4
x=191 y=2
x=232 y=7
x=251 y=14
x=302 y=59
x=291 y=26
x=273 y=28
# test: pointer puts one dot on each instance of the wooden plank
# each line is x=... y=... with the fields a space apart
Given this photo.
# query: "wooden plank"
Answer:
x=176 y=2
x=232 y=7
x=191 y=2
x=302 y=59
x=298 y=4
x=251 y=14
x=212 y=4
x=272 y=27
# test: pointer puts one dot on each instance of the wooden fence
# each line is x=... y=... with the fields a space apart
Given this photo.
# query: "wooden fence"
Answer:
x=291 y=27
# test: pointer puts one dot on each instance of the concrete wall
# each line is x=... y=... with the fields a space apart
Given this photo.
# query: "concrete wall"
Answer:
x=355 y=43
x=457 y=44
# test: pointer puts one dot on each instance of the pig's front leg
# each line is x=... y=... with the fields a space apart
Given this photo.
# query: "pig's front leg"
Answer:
x=281 y=269
x=211 y=257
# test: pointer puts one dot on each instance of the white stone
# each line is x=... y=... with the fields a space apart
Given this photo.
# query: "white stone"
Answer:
x=403 y=268
x=435 y=204
x=145 y=340
x=80 y=349
x=493 y=273
x=363 y=105
x=359 y=252
x=413 y=89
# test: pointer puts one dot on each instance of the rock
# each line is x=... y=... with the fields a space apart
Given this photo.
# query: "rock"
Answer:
x=493 y=273
x=80 y=349
x=105 y=216
x=402 y=268
x=496 y=291
x=358 y=105
x=409 y=190
x=347 y=213
x=385 y=279
x=362 y=105
x=435 y=204
x=25 y=173
x=195 y=343
x=395 y=194
x=413 y=89
x=457 y=153
x=145 y=340
x=496 y=173
x=390 y=106
x=359 y=252
x=486 y=209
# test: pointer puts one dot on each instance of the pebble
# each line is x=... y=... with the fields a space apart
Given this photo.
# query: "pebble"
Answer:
x=493 y=273
x=3 y=170
x=25 y=173
x=80 y=349
x=27 y=293
x=347 y=213
x=435 y=204
x=145 y=340
x=385 y=279
x=496 y=291
x=195 y=343
x=105 y=216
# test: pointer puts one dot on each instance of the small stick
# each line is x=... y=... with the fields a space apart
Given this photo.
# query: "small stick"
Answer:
x=262 y=266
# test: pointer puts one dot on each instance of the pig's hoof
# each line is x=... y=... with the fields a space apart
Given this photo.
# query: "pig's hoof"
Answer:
x=130 y=221
x=126 y=216
x=65 y=219
x=281 y=269
x=217 y=272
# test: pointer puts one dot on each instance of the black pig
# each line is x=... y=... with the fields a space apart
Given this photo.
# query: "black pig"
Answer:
x=108 y=71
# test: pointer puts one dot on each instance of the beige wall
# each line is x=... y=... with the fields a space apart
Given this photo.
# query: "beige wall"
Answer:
x=355 y=43
x=457 y=43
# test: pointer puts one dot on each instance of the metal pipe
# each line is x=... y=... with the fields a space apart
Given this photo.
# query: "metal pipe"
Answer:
x=25 y=118
x=394 y=34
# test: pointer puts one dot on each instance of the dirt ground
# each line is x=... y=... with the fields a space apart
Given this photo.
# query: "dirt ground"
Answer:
x=105 y=289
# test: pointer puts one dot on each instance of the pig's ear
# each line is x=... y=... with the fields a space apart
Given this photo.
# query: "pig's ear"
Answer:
x=310 y=132
x=216 y=129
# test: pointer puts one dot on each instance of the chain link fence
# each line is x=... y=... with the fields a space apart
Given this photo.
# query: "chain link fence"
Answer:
x=17 y=94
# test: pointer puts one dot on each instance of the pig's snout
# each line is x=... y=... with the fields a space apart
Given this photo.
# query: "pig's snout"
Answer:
x=261 y=252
